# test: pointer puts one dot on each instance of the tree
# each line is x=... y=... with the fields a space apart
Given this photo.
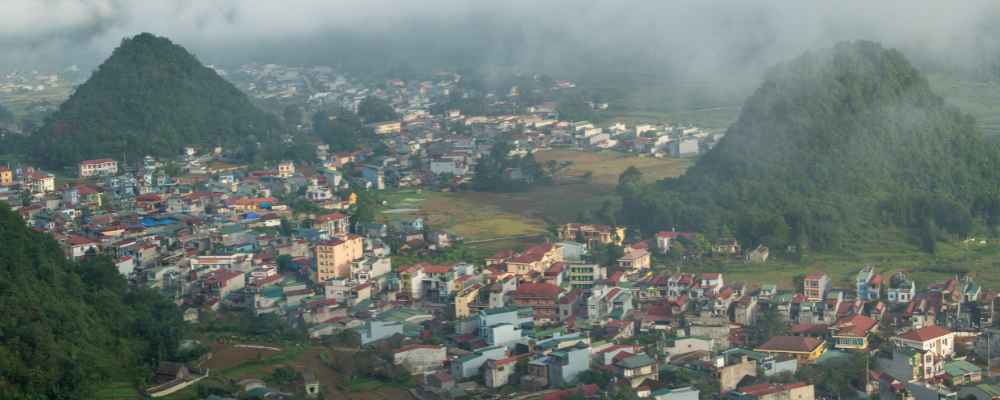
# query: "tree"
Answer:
x=769 y=324
x=373 y=109
x=293 y=115
x=342 y=130
x=574 y=107
x=629 y=180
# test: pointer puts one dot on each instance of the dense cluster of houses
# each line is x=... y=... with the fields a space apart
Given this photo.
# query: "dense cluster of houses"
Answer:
x=217 y=237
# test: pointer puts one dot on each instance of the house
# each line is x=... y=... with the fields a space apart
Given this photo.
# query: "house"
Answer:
x=470 y=365
x=583 y=276
x=334 y=257
x=224 y=281
x=592 y=234
x=420 y=358
x=802 y=348
x=636 y=368
x=901 y=289
x=39 y=182
x=498 y=372
x=961 y=372
x=6 y=176
x=335 y=224
x=104 y=166
x=730 y=370
x=543 y=298
x=537 y=259
x=758 y=255
x=565 y=365
x=286 y=169
x=462 y=300
x=853 y=332
x=384 y=128
x=815 y=286
x=683 y=147
x=934 y=339
x=375 y=330
x=681 y=393
x=767 y=391
x=635 y=260
x=606 y=301
x=171 y=371
x=664 y=238
x=868 y=284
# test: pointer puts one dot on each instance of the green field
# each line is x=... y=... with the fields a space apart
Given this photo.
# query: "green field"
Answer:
x=888 y=251
x=479 y=216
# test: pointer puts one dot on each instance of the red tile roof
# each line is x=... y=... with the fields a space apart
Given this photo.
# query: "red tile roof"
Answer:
x=793 y=344
x=763 y=389
x=924 y=334
x=856 y=326
x=330 y=217
x=537 y=290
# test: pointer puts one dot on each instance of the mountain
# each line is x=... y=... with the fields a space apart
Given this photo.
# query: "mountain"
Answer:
x=832 y=144
x=68 y=327
x=6 y=116
x=150 y=97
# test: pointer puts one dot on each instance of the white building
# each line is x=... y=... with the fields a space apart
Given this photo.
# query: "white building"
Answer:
x=103 y=166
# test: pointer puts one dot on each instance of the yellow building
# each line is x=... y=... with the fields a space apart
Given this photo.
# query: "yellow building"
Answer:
x=286 y=169
x=463 y=299
x=388 y=127
x=334 y=257
x=591 y=234
x=803 y=348
x=6 y=176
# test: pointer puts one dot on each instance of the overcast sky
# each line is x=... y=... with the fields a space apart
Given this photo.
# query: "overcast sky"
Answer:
x=696 y=38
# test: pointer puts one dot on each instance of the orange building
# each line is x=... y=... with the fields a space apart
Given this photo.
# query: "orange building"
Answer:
x=334 y=257
x=6 y=176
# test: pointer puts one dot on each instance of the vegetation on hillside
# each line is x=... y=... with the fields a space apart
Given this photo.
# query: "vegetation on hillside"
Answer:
x=343 y=130
x=6 y=116
x=373 y=109
x=499 y=171
x=68 y=327
x=832 y=144
x=152 y=97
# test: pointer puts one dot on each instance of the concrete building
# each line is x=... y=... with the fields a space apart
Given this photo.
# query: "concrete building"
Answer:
x=816 y=285
x=6 y=176
x=566 y=365
x=803 y=348
x=286 y=169
x=334 y=257
x=498 y=372
x=767 y=391
x=420 y=358
x=933 y=339
x=591 y=234
x=636 y=369
x=583 y=276
x=375 y=330
x=99 y=167
x=470 y=365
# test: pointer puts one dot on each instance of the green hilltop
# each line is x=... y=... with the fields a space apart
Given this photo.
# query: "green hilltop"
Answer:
x=69 y=327
x=833 y=144
x=150 y=97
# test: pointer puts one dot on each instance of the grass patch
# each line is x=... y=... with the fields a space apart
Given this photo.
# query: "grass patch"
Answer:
x=116 y=391
x=889 y=251
x=256 y=367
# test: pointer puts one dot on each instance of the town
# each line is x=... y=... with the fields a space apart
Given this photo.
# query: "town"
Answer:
x=301 y=253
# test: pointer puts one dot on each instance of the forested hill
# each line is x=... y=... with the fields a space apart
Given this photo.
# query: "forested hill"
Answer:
x=67 y=328
x=833 y=143
x=150 y=97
